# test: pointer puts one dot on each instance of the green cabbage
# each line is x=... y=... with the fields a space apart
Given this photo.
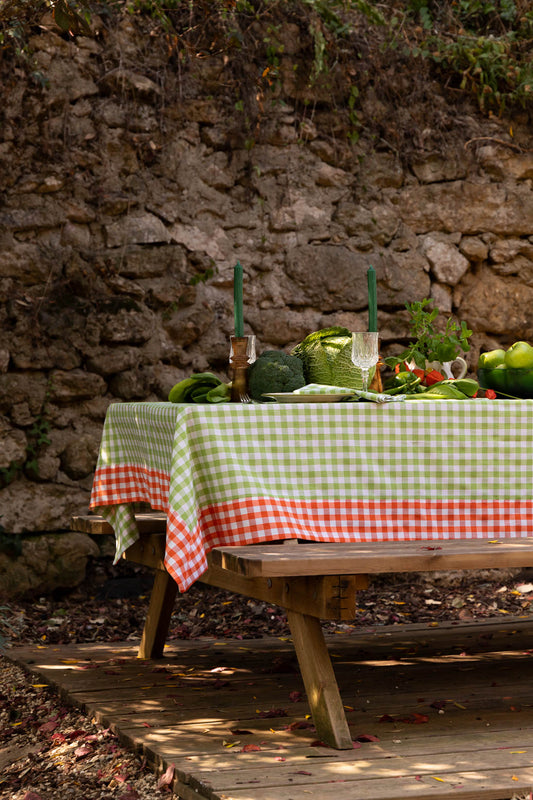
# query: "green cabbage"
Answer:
x=327 y=358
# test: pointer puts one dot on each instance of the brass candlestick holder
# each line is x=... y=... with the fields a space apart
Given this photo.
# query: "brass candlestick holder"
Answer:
x=242 y=354
x=376 y=384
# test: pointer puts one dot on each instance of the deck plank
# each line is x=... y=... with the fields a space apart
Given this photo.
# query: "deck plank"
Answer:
x=205 y=701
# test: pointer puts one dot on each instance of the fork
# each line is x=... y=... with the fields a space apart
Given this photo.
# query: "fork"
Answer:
x=240 y=364
x=239 y=393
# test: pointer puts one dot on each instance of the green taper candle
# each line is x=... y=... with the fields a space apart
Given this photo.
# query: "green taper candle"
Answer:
x=372 y=299
x=237 y=299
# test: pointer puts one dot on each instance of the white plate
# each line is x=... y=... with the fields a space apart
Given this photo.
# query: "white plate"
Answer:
x=289 y=397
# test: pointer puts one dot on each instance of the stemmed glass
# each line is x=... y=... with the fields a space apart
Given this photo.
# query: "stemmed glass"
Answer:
x=365 y=353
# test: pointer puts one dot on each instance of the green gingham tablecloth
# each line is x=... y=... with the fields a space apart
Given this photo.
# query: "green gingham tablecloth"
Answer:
x=246 y=473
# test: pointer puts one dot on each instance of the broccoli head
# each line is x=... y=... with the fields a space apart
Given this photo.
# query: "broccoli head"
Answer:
x=275 y=371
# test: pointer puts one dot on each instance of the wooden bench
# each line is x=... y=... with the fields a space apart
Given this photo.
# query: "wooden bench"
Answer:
x=311 y=581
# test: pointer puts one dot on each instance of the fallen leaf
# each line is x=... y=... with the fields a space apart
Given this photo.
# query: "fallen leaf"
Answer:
x=299 y=725
x=77 y=734
x=274 y=712
x=167 y=777
x=130 y=794
x=248 y=748
x=46 y=727
x=413 y=719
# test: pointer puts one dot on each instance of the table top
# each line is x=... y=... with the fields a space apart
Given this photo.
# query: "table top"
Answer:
x=238 y=474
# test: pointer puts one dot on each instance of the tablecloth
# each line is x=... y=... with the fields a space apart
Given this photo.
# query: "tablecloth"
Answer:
x=337 y=472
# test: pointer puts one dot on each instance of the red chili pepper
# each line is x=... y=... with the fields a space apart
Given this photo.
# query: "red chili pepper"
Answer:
x=490 y=394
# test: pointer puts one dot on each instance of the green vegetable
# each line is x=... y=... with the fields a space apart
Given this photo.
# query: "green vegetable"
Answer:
x=450 y=389
x=431 y=344
x=203 y=387
x=327 y=358
x=403 y=383
x=446 y=390
x=439 y=392
x=220 y=394
x=275 y=371
x=466 y=385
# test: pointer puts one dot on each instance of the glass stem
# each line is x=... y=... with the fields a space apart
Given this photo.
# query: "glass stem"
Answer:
x=365 y=373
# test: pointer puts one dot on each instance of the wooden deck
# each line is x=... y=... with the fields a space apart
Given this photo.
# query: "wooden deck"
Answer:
x=435 y=712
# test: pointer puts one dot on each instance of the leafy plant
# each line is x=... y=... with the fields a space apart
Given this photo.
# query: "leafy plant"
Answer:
x=37 y=437
x=431 y=344
x=483 y=47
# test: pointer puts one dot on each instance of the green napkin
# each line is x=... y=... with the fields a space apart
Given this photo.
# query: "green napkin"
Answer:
x=375 y=397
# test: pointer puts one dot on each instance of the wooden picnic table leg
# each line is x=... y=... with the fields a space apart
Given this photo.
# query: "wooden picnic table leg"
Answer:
x=158 y=617
x=319 y=680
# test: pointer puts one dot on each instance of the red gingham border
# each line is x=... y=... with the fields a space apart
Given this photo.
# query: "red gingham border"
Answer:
x=130 y=483
x=256 y=520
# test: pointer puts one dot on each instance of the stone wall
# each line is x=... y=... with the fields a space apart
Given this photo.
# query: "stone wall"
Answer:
x=127 y=196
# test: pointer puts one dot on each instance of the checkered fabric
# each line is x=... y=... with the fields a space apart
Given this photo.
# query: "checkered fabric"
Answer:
x=235 y=473
x=355 y=394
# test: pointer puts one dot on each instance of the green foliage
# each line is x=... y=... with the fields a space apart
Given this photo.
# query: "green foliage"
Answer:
x=431 y=344
x=37 y=438
x=474 y=48
x=203 y=277
x=483 y=47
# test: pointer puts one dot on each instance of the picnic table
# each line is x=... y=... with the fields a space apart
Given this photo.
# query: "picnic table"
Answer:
x=297 y=503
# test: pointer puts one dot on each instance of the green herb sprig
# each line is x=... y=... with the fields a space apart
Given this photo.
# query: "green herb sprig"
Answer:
x=429 y=343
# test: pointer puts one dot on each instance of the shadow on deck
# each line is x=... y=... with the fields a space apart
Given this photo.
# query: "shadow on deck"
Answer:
x=434 y=712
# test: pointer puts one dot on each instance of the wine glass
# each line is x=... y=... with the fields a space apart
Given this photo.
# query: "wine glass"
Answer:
x=365 y=352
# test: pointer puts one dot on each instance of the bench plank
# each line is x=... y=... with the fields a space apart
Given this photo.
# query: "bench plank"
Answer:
x=95 y=525
x=373 y=557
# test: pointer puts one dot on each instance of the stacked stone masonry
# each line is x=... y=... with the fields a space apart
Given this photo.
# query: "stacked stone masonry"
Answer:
x=122 y=216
